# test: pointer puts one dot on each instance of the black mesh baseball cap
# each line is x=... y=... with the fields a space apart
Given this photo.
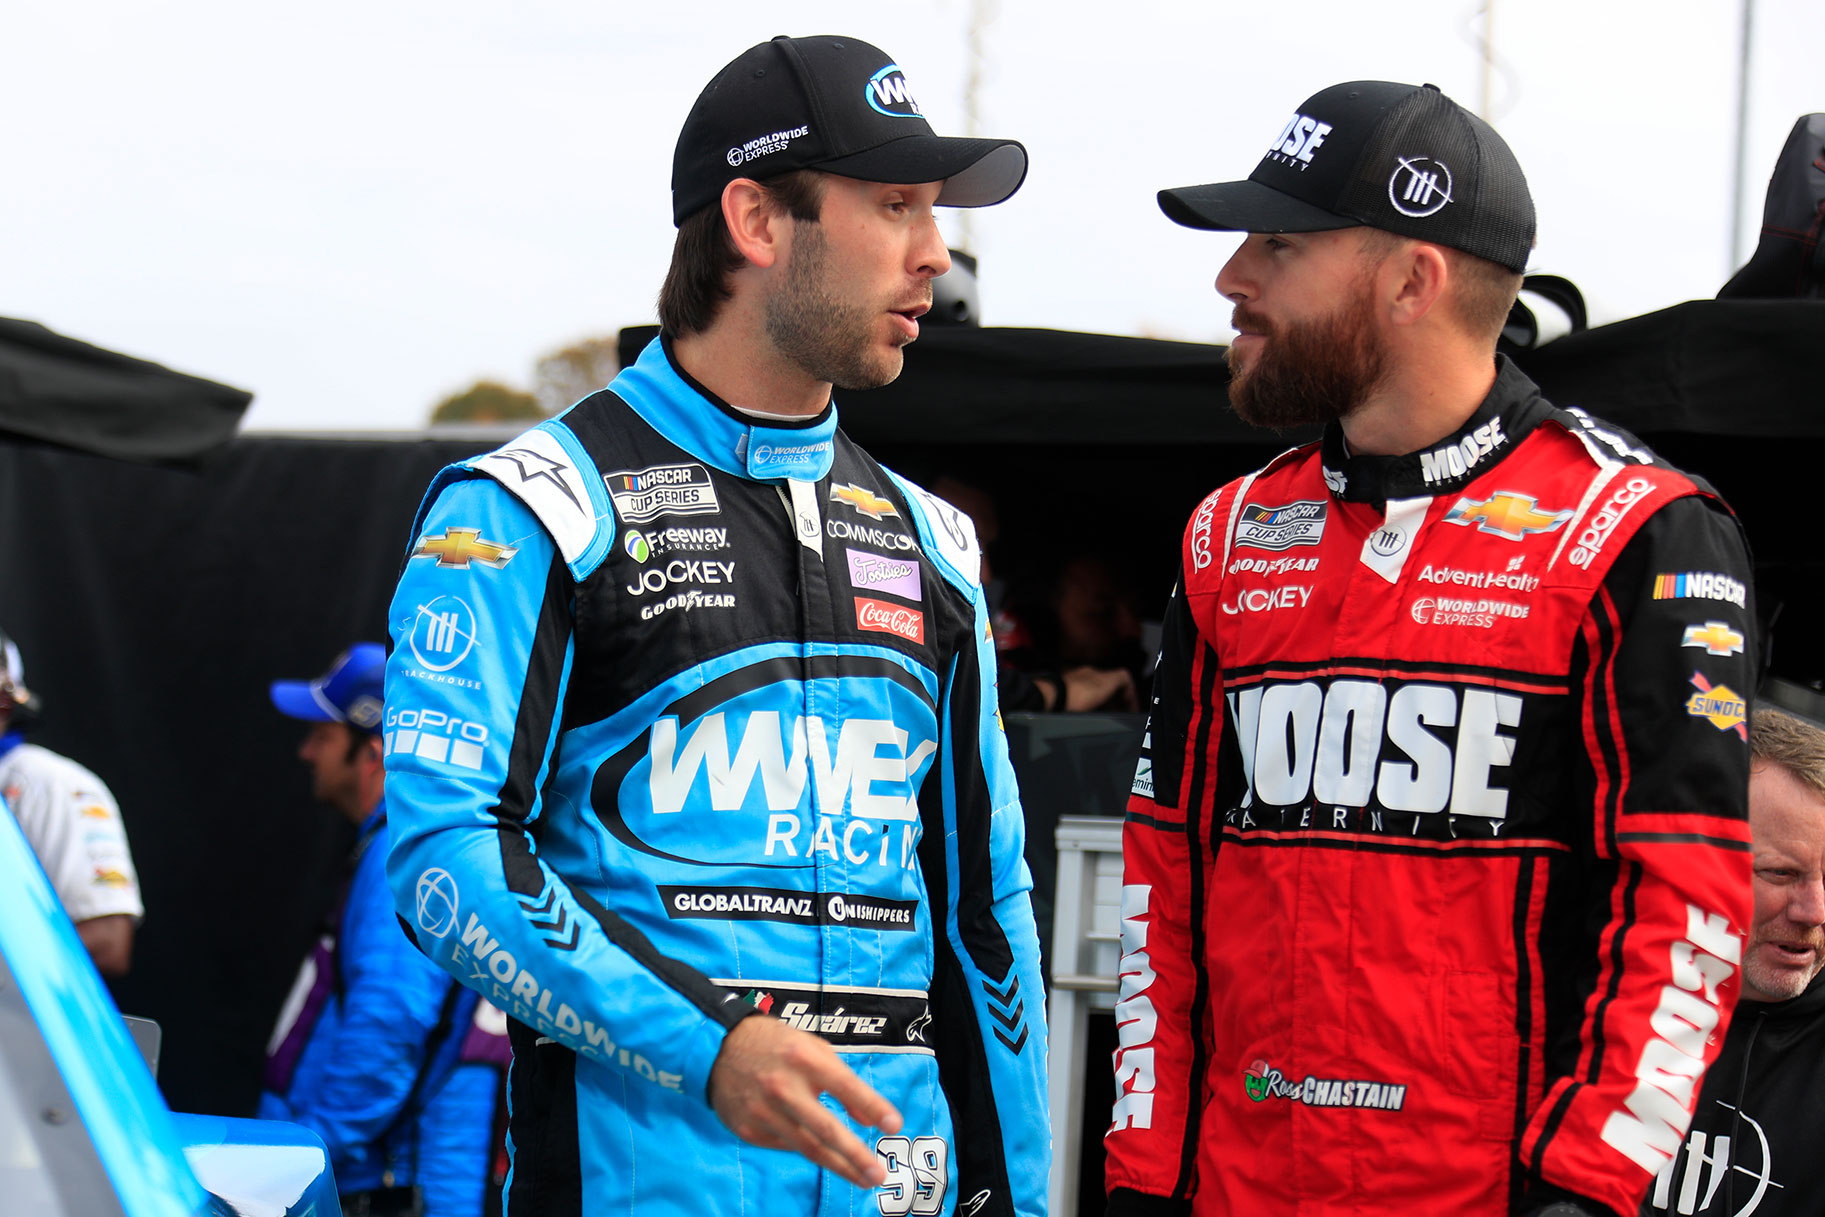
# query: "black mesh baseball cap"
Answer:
x=1402 y=158
x=835 y=104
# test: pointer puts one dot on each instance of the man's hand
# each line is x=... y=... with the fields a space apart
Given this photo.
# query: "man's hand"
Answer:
x=765 y=1087
x=1090 y=688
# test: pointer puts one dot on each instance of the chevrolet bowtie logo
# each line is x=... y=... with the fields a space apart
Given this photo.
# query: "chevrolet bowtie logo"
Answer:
x=865 y=501
x=460 y=546
x=1716 y=637
x=1506 y=515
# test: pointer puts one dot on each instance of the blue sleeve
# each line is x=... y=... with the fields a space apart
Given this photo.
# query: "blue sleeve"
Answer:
x=389 y=1004
x=482 y=646
x=1004 y=1131
x=995 y=939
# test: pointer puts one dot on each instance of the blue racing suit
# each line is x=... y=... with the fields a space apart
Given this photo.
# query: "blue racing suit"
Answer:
x=687 y=715
x=351 y=1042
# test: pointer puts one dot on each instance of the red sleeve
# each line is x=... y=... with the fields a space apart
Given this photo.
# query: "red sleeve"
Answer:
x=1669 y=665
x=1168 y=847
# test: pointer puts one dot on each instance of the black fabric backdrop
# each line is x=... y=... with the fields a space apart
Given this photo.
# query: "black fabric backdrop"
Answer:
x=153 y=604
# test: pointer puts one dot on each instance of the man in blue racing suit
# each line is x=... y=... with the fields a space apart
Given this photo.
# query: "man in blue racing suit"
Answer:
x=691 y=735
x=370 y=1048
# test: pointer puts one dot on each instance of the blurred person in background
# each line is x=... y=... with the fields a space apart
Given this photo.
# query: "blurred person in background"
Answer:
x=1753 y=1144
x=73 y=825
x=369 y=1048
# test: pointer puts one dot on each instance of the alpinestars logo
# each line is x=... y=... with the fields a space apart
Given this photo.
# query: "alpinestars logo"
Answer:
x=1263 y=1082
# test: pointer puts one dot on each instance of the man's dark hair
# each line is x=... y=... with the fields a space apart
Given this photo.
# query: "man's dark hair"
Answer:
x=704 y=255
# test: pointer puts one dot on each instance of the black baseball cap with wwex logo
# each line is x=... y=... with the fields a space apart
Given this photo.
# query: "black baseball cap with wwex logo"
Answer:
x=835 y=104
x=1401 y=158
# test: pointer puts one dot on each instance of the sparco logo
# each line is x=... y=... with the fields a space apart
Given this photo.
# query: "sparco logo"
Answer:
x=1200 y=533
x=1459 y=457
x=1590 y=541
x=1304 y=742
x=1263 y=1082
x=1300 y=523
x=887 y=618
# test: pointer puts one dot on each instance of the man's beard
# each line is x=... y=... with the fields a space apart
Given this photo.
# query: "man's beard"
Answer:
x=1309 y=372
x=831 y=339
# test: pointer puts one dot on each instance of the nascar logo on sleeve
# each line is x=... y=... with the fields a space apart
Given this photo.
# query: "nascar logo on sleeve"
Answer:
x=1701 y=585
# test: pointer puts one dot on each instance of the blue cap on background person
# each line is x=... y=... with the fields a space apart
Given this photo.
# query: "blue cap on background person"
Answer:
x=352 y=691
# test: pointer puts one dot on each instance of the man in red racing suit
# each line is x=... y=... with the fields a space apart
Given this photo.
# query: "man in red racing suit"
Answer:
x=1436 y=870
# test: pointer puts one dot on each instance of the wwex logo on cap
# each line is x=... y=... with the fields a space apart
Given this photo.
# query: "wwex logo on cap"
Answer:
x=1402 y=159
x=835 y=104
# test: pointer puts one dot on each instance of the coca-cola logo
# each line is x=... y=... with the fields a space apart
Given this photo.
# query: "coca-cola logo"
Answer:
x=887 y=618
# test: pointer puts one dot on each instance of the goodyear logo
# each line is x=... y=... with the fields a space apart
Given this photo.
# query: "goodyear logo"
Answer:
x=1719 y=705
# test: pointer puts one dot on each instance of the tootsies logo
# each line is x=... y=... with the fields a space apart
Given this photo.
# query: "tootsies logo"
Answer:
x=887 y=618
x=787 y=906
x=1420 y=748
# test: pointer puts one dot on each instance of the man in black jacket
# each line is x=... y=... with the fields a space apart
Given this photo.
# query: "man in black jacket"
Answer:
x=1753 y=1145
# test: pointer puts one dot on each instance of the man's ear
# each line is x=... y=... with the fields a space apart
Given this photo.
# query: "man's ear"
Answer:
x=1423 y=272
x=755 y=224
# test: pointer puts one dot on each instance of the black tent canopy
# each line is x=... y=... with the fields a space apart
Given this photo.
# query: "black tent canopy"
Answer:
x=154 y=601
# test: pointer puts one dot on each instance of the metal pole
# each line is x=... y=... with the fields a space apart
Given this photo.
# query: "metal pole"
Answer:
x=1488 y=58
x=1742 y=137
x=982 y=15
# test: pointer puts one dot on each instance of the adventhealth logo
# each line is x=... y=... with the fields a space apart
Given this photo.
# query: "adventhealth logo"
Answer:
x=888 y=88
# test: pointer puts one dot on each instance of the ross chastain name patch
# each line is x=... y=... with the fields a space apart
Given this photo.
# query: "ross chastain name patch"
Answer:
x=1263 y=1082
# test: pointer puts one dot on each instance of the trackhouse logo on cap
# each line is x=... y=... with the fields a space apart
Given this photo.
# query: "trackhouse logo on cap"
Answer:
x=888 y=93
x=1419 y=186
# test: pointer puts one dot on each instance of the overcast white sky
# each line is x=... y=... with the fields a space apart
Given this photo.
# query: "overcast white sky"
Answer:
x=355 y=207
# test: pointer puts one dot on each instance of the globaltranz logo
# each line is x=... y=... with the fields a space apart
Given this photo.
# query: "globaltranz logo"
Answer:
x=887 y=93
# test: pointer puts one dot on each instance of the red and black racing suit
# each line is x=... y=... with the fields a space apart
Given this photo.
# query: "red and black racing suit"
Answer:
x=1437 y=863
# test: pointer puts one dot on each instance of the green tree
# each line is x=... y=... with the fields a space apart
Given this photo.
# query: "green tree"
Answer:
x=487 y=401
x=566 y=376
